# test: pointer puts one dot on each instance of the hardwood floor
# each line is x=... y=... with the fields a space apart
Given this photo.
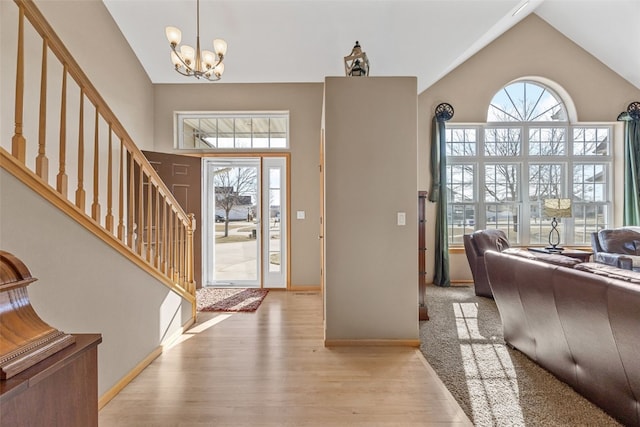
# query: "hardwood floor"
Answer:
x=270 y=368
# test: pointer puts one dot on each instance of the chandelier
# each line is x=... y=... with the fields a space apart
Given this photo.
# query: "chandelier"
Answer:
x=194 y=62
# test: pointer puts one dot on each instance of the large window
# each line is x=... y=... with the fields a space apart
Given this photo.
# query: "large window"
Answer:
x=224 y=131
x=499 y=172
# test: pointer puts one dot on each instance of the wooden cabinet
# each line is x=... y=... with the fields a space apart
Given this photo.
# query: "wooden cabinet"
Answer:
x=47 y=377
x=62 y=390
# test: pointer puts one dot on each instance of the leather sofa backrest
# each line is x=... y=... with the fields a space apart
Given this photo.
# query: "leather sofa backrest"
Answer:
x=620 y=241
x=490 y=240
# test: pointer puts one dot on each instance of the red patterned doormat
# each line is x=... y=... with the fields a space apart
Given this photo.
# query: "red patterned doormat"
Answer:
x=226 y=299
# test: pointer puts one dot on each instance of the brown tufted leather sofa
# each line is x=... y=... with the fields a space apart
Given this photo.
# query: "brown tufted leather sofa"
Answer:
x=475 y=245
x=581 y=323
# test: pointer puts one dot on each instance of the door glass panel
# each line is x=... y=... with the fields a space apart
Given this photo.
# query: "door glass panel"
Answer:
x=235 y=240
x=275 y=216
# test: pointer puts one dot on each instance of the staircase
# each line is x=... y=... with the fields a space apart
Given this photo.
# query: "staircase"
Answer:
x=70 y=149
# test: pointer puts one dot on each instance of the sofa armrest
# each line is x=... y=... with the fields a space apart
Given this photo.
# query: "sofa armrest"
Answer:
x=615 y=260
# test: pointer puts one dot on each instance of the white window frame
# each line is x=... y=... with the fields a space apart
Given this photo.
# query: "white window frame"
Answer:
x=522 y=204
x=180 y=116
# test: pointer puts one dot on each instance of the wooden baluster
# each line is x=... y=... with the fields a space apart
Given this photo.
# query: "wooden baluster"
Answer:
x=165 y=235
x=140 y=230
x=18 y=143
x=80 y=194
x=42 y=162
x=181 y=254
x=61 y=179
x=121 y=195
x=131 y=204
x=190 y=229
x=170 y=244
x=149 y=217
x=95 y=206
x=176 y=248
x=184 y=254
x=109 y=218
x=156 y=253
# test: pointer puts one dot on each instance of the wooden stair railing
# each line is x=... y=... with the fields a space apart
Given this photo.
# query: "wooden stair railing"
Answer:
x=142 y=219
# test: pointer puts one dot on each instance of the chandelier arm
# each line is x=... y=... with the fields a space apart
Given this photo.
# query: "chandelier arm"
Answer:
x=210 y=79
x=183 y=73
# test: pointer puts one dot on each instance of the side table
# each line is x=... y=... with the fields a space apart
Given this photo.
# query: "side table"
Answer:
x=583 y=256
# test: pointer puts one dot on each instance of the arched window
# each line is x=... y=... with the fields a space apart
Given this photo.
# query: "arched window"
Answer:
x=526 y=101
x=499 y=172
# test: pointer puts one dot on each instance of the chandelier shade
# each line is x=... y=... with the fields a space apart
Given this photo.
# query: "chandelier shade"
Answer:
x=194 y=62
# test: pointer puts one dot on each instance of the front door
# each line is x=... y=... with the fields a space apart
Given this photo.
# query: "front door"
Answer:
x=244 y=236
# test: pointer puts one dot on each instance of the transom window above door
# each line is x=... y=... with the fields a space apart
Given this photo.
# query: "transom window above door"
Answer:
x=232 y=131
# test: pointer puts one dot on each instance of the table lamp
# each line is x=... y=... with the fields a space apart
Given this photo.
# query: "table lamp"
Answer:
x=555 y=208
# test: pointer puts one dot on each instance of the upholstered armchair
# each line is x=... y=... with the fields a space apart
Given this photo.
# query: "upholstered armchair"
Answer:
x=475 y=245
x=619 y=247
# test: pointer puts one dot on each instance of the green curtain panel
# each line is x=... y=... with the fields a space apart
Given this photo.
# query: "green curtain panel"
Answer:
x=631 y=213
x=438 y=194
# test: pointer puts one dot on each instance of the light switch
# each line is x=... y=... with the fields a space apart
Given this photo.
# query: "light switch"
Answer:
x=402 y=218
x=299 y=214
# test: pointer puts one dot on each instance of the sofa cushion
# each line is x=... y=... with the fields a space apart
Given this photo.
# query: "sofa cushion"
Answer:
x=555 y=259
x=620 y=241
x=610 y=271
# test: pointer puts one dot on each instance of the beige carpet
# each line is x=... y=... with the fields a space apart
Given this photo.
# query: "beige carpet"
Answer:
x=229 y=299
x=495 y=385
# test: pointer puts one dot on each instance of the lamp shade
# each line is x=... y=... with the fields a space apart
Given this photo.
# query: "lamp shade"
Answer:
x=220 y=47
x=218 y=70
x=188 y=54
x=208 y=59
x=174 y=35
x=556 y=208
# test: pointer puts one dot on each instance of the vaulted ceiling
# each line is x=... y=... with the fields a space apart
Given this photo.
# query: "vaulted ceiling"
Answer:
x=273 y=41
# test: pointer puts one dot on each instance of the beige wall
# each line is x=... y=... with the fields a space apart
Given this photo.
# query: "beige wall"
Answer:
x=304 y=103
x=532 y=48
x=370 y=169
